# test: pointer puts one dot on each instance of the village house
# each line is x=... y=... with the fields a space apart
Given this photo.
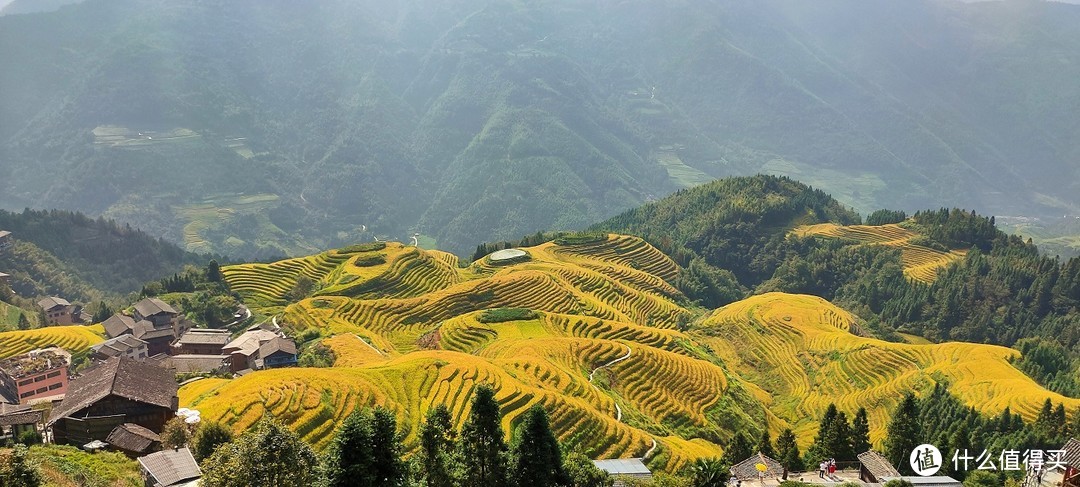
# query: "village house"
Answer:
x=279 y=352
x=5 y=240
x=201 y=341
x=170 y=468
x=117 y=391
x=126 y=345
x=17 y=419
x=1071 y=459
x=873 y=467
x=35 y=375
x=133 y=440
x=193 y=364
x=246 y=351
x=152 y=321
x=58 y=311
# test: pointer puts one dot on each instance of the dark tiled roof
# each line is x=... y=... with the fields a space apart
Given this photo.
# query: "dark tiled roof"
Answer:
x=52 y=302
x=118 y=346
x=145 y=331
x=132 y=437
x=1072 y=453
x=153 y=306
x=204 y=337
x=277 y=345
x=183 y=364
x=170 y=467
x=121 y=376
x=31 y=416
x=747 y=469
x=877 y=465
x=118 y=324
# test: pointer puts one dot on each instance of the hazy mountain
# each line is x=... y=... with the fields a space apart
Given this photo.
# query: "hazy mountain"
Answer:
x=257 y=128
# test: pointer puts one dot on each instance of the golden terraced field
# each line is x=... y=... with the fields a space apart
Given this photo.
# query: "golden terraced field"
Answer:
x=603 y=352
x=920 y=262
x=76 y=338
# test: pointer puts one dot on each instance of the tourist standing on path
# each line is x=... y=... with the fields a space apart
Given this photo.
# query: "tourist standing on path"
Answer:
x=821 y=469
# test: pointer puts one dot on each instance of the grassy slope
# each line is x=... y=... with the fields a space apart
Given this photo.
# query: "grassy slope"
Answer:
x=407 y=335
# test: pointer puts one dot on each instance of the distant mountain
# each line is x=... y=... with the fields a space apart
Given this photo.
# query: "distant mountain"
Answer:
x=11 y=7
x=267 y=128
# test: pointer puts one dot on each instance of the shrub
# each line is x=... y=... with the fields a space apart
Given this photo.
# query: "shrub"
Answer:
x=499 y=315
x=364 y=247
x=580 y=238
x=370 y=260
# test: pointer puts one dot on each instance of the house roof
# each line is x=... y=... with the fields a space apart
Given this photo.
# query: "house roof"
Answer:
x=3 y=275
x=249 y=342
x=623 y=466
x=52 y=302
x=146 y=330
x=877 y=465
x=276 y=345
x=118 y=324
x=203 y=336
x=747 y=469
x=118 y=346
x=29 y=416
x=120 y=376
x=132 y=437
x=1072 y=453
x=153 y=306
x=4 y=233
x=183 y=364
x=171 y=467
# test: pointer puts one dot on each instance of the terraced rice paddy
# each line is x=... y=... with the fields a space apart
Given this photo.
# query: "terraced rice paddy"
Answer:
x=800 y=351
x=920 y=263
x=598 y=347
x=75 y=338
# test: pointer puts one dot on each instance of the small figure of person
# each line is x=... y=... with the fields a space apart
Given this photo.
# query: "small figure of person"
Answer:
x=821 y=469
x=832 y=466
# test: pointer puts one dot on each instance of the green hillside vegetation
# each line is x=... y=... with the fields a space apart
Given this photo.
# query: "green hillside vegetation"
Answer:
x=82 y=259
x=310 y=128
x=1001 y=289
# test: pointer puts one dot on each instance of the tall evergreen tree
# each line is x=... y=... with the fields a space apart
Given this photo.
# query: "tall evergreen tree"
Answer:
x=765 y=444
x=738 y=449
x=366 y=451
x=213 y=271
x=839 y=439
x=537 y=461
x=438 y=445
x=821 y=449
x=860 y=432
x=483 y=448
x=787 y=448
x=904 y=431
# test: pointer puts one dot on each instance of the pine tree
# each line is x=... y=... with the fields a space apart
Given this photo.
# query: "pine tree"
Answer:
x=438 y=445
x=765 y=445
x=389 y=469
x=366 y=451
x=821 y=448
x=904 y=431
x=738 y=449
x=483 y=449
x=839 y=439
x=860 y=432
x=1061 y=425
x=351 y=458
x=537 y=461
x=787 y=448
x=213 y=271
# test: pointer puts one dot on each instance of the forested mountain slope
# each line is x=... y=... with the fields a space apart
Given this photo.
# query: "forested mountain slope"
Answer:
x=255 y=129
